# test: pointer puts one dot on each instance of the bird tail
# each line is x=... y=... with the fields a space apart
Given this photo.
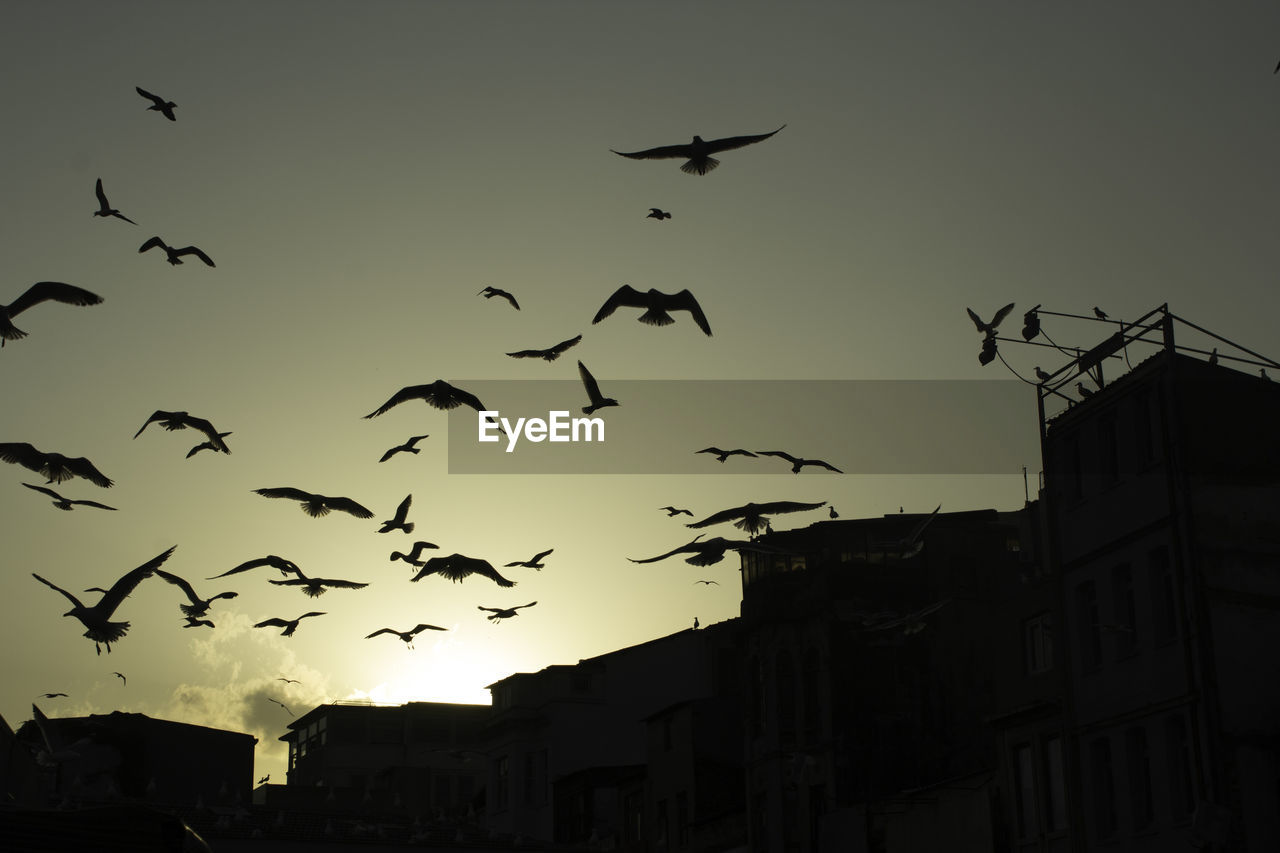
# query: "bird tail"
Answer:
x=8 y=331
x=700 y=167
x=407 y=527
x=656 y=317
x=192 y=610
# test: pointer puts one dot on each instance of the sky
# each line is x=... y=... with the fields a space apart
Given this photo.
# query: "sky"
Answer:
x=359 y=171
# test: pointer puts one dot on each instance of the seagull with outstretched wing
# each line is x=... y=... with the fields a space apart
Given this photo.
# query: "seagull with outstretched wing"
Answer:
x=548 y=354
x=722 y=455
x=41 y=291
x=104 y=206
x=398 y=522
x=317 y=505
x=752 y=517
x=656 y=304
x=439 y=394
x=658 y=214
x=490 y=292
x=534 y=563
x=597 y=400
x=289 y=625
x=672 y=511
x=406 y=636
x=407 y=447
x=198 y=606
x=498 y=613
x=66 y=503
x=798 y=463
x=53 y=466
x=457 y=567
x=414 y=553
x=698 y=152
x=158 y=103
x=286 y=567
x=316 y=587
x=181 y=420
x=175 y=256
x=989 y=328
x=710 y=551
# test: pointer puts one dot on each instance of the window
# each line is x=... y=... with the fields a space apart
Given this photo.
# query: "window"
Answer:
x=502 y=773
x=1073 y=478
x=1055 y=797
x=1124 y=611
x=785 y=696
x=660 y=825
x=632 y=816
x=1090 y=625
x=1138 y=760
x=1144 y=436
x=1024 y=791
x=1104 y=791
x=1164 y=609
x=580 y=682
x=1037 y=636
x=535 y=777
x=1178 y=756
x=682 y=819
x=1108 y=449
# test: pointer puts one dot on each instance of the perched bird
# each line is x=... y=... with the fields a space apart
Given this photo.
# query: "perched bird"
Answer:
x=672 y=511
x=1084 y=392
x=797 y=463
x=833 y=513
x=656 y=304
x=316 y=587
x=597 y=400
x=710 y=551
x=457 y=567
x=696 y=626
x=534 y=562
x=497 y=613
x=717 y=583
x=1041 y=375
x=198 y=606
x=286 y=567
x=655 y=213
x=990 y=328
x=1213 y=356
x=407 y=447
x=406 y=636
x=548 y=354
x=288 y=680
x=173 y=255
x=317 y=505
x=105 y=208
x=97 y=619
x=698 y=152
x=181 y=420
x=264 y=779
x=439 y=394
x=120 y=675
x=193 y=622
x=289 y=625
x=158 y=103
x=51 y=695
x=414 y=553
x=751 y=517
x=490 y=292
x=41 y=291
x=208 y=445
x=398 y=522
x=281 y=704
x=66 y=503
x=722 y=455
x=1099 y=313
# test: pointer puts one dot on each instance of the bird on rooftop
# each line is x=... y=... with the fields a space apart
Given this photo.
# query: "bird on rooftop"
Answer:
x=532 y=563
x=158 y=103
x=1084 y=392
x=672 y=511
x=407 y=447
x=656 y=304
x=317 y=505
x=286 y=567
x=41 y=291
x=497 y=613
x=208 y=445
x=97 y=619
x=833 y=513
x=181 y=420
x=406 y=636
x=289 y=625
x=439 y=394
x=198 y=606
x=798 y=463
x=1041 y=375
x=457 y=567
x=548 y=354
x=120 y=675
x=990 y=328
x=104 y=206
x=698 y=152
x=751 y=517
x=66 y=503
x=490 y=292
x=656 y=213
x=281 y=704
x=414 y=553
x=696 y=626
x=597 y=400
x=1213 y=356
x=316 y=587
x=1099 y=313
x=722 y=455
x=175 y=256
x=398 y=521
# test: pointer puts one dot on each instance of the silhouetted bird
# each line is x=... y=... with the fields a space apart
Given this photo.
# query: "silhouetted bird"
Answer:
x=1099 y=313
x=51 y=695
x=710 y=551
x=407 y=447
x=316 y=587
x=655 y=213
x=198 y=606
x=533 y=563
x=457 y=567
x=497 y=613
x=833 y=513
x=1031 y=323
x=1262 y=372
x=120 y=675
x=990 y=328
x=104 y=206
x=406 y=636
x=66 y=503
x=1041 y=375
x=97 y=619
x=55 y=748
x=752 y=517
x=398 y=522
x=672 y=511
x=1213 y=356
x=717 y=583
x=182 y=420
x=193 y=622
x=597 y=400
x=264 y=779
x=722 y=455
x=41 y=291
x=281 y=704
x=798 y=463
x=317 y=505
x=548 y=354
x=696 y=626
x=911 y=544
x=439 y=394
x=656 y=305
x=1084 y=392
x=208 y=445
x=158 y=103
x=54 y=467
x=289 y=625
x=288 y=680
x=414 y=553
x=286 y=567
x=173 y=255
x=490 y=292
x=698 y=152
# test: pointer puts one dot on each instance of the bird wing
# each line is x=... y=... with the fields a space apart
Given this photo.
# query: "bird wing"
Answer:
x=977 y=321
x=192 y=250
x=537 y=557
x=455 y=567
x=684 y=301
x=286 y=492
x=350 y=506
x=1001 y=314
x=780 y=454
x=215 y=437
x=521 y=606
x=409 y=392
x=57 y=291
x=75 y=602
x=21 y=453
x=144 y=93
x=491 y=609
x=425 y=627
x=624 y=296
x=182 y=585
x=687 y=548
x=659 y=153
x=731 y=142
x=919 y=528
x=118 y=215
x=402 y=511
x=459 y=397
x=381 y=631
x=158 y=415
x=313 y=613
x=102 y=197
x=121 y=588
x=338 y=584
x=508 y=297
x=531 y=353
x=822 y=464
x=589 y=382
x=273 y=622
x=785 y=506
x=84 y=468
x=566 y=345
x=151 y=244
x=50 y=492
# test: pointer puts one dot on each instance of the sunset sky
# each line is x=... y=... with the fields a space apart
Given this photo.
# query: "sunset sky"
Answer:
x=359 y=171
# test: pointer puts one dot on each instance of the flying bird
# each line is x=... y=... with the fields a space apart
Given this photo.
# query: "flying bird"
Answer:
x=672 y=511
x=597 y=400
x=208 y=445
x=181 y=420
x=120 y=675
x=439 y=394
x=533 y=563
x=97 y=619
x=264 y=779
x=497 y=613
x=105 y=208
x=286 y=567
x=288 y=680
x=698 y=152
x=990 y=328
x=414 y=553
x=407 y=447
x=55 y=749
x=548 y=354
x=316 y=587
x=406 y=636
x=51 y=695
x=41 y=291
x=193 y=622
x=655 y=213
x=317 y=505
x=656 y=304
x=175 y=256
x=289 y=625
x=281 y=704
x=55 y=467
x=913 y=543
x=751 y=517
x=158 y=103
x=710 y=551
x=66 y=503
x=490 y=292
x=457 y=567
x=722 y=455
x=717 y=583
x=1099 y=313
x=398 y=522
x=798 y=463
x=198 y=606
